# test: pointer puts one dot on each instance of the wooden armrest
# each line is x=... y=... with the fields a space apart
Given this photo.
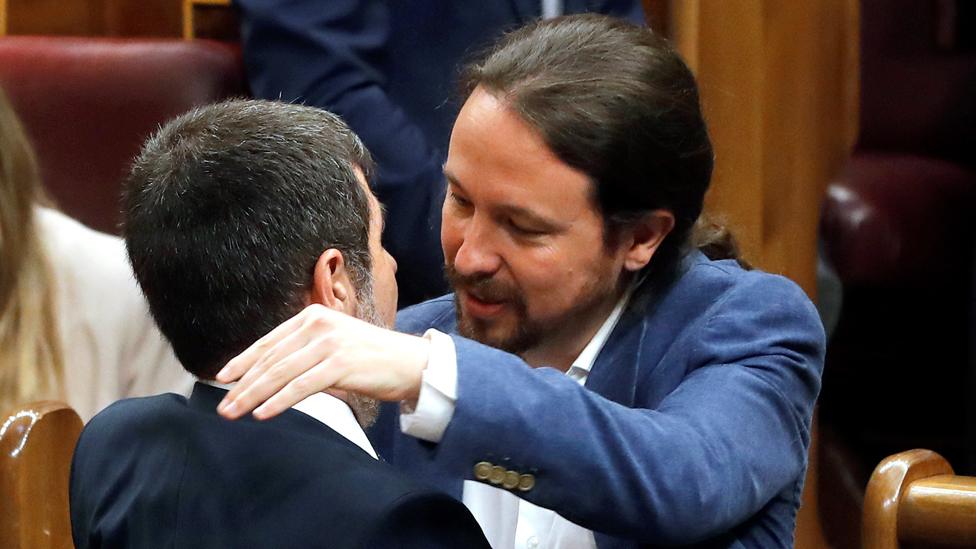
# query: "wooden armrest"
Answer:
x=36 y=444
x=914 y=497
x=940 y=508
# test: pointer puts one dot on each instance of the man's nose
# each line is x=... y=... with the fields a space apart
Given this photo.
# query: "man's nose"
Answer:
x=477 y=254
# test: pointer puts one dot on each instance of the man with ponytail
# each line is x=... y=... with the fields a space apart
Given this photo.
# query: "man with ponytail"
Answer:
x=607 y=373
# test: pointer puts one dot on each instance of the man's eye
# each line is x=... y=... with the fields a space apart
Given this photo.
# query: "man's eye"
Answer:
x=524 y=231
x=460 y=201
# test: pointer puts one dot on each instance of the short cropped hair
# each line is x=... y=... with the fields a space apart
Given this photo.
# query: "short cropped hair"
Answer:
x=226 y=211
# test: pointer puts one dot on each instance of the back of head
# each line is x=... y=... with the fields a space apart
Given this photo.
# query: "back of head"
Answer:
x=226 y=210
x=615 y=101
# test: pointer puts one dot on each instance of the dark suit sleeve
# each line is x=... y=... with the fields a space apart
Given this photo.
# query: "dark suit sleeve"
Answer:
x=427 y=521
x=325 y=54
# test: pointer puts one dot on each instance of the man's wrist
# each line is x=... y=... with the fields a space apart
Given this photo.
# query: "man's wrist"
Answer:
x=414 y=373
x=427 y=416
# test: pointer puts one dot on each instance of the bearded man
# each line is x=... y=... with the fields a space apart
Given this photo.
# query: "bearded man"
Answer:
x=606 y=373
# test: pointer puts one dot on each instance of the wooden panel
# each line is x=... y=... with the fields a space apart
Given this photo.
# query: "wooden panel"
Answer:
x=36 y=444
x=779 y=85
x=213 y=19
x=144 y=18
x=55 y=17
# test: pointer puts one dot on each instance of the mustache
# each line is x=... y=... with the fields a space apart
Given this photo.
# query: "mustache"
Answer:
x=482 y=286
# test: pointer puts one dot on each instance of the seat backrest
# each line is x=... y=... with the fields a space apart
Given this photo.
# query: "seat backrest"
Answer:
x=914 y=497
x=36 y=444
x=89 y=103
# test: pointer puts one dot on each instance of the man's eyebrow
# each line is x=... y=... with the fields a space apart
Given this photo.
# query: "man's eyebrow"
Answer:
x=514 y=210
x=531 y=216
x=452 y=179
x=382 y=217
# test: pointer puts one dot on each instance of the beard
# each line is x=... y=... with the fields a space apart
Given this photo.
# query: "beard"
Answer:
x=366 y=409
x=525 y=335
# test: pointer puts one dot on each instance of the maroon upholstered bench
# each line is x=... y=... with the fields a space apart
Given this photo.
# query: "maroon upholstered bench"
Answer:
x=89 y=103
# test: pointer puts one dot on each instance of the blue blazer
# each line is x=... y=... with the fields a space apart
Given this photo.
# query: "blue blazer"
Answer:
x=693 y=426
x=389 y=69
x=165 y=471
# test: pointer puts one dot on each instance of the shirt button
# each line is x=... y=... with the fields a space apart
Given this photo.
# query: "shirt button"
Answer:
x=532 y=542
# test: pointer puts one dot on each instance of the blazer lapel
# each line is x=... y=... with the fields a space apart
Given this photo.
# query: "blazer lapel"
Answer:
x=614 y=373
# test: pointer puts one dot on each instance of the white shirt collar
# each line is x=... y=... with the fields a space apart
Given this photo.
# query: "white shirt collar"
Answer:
x=329 y=410
x=580 y=369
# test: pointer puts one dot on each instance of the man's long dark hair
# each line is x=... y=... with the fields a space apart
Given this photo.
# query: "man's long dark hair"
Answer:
x=615 y=101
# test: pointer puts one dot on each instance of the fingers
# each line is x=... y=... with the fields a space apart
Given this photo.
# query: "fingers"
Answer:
x=316 y=379
x=271 y=372
x=270 y=363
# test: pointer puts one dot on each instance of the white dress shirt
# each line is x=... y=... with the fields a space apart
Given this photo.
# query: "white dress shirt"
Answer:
x=327 y=409
x=552 y=8
x=508 y=521
x=111 y=346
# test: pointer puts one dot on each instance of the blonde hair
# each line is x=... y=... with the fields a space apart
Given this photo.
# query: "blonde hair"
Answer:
x=31 y=364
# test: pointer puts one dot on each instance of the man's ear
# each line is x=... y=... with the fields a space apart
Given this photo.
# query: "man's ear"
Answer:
x=331 y=285
x=644 y=237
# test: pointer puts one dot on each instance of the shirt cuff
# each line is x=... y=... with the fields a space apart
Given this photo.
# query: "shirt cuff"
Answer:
x=435 y=405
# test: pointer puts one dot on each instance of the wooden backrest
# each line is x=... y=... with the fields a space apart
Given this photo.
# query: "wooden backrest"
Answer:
x=914 y=497
x=212 y=19
x=36 y=444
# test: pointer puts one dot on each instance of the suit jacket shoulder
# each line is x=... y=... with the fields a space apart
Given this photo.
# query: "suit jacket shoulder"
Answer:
x=709 y=382
x=437 y=313
x=160 y=471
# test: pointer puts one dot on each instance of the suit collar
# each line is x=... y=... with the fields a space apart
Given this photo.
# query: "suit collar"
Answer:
x=205 y=398
x=327 y=409
x=615 y=371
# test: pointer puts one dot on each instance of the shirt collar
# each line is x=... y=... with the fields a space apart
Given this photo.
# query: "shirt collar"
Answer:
x=581 y=367
x=327 y=409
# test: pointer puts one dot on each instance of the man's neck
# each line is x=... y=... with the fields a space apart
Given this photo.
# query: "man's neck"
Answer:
x=562 y=347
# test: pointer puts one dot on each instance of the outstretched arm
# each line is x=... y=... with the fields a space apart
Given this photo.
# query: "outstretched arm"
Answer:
x=730 y=437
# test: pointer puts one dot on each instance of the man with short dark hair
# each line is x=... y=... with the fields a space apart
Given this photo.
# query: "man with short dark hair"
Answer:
x=662 y=392
x=237 y=216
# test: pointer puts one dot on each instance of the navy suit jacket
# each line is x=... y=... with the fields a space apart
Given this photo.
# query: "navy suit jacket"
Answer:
x=167 y=472
x=693 y=426
x=388 y=68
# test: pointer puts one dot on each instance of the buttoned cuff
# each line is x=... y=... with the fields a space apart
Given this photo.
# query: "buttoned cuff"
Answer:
x=428 y=419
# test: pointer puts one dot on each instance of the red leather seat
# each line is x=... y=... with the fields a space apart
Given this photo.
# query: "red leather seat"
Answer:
x=899 y=227
x=89 y=103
